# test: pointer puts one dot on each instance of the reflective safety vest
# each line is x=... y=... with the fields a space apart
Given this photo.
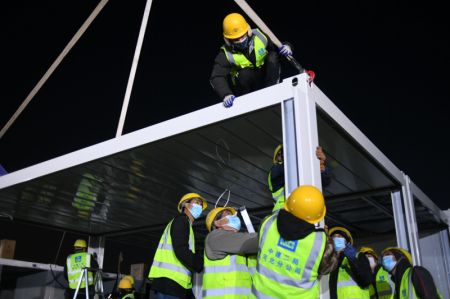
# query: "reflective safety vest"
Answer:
x=252 y=261
x=166 y=264
x=128 y=296
x=346 y=286
x=226 y=278
x=75 y=264
x=407 y=290
x=384 y=284
x=287 y=269
x=277 y=195
x=239 y=61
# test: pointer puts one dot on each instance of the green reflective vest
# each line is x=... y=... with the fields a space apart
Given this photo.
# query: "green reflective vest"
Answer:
x=384 y=284
x=277 y=195
x=346 y=286
x=407 y=290
x=252 y=261
x=239 y=61
x=226 y=278
x=287 y=269
x=75 y=264
x=166 y=264
x=128 y=296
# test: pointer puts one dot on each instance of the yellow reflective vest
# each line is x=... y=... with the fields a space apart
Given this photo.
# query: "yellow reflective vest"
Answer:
x=287 y=269
x=384 y=284
x=226 y=278
x=166 y=264
x=407 y=290
x=277 y=195
x=346 y=286
x=75 y=264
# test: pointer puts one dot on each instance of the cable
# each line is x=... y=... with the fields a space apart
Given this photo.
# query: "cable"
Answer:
x=54 y=262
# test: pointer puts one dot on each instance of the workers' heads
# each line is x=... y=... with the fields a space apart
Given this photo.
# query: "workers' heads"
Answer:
x=223 y=218
x=390 y=257
x=371 y=255
x=80 y=245
x=125 y=284
x=236 y=31
x=340 y=236
x=278 y=154
x=306 y=203
x=130 y=278
x=192 y=204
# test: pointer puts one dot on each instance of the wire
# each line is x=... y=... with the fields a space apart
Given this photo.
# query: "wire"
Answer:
x=54 y=262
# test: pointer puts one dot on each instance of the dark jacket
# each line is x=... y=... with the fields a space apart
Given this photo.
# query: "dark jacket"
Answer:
x=220 y=75
x=292 y=228
x=421 y=278
x=179 y=231
x=360 y=272
x=277 y=176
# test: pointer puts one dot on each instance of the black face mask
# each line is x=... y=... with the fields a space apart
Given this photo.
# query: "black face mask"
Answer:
x=241 y=46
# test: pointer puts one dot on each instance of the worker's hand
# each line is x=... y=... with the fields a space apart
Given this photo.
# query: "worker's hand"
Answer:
x=285 y=50
x=321 y=156
x=350 y=251
x=228 y=100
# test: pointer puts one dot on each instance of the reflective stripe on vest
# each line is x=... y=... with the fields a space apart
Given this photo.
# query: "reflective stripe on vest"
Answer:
x=165 y=262
x=252 y=261
x=278 y=195
x=240 y=61
x=75 y=264
x=385 y=285
x=228 y=277
x=287 y=268
x=128 y=296
x=346 y=286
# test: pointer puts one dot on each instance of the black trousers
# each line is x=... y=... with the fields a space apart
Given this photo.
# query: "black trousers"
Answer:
x=249 y=80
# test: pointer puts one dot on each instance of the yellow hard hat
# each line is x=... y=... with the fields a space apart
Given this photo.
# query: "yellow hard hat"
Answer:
x=125 y=283
x=130 y=278
x=275 y=153
x=190 y=196
x=402 y=251
x=368 y=250
x=235 y=26
x=306 y=203
x=80 y=243
x=340 y=229
x=213 y=213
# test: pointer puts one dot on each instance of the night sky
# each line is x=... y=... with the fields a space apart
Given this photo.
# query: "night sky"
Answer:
x=385 y=64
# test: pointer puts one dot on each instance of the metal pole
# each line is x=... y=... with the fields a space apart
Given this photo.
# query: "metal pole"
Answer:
x=137 y=53
x=411 y=221
x=399 y=220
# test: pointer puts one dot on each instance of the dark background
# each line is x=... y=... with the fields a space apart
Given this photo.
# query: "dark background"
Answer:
x=385 y=64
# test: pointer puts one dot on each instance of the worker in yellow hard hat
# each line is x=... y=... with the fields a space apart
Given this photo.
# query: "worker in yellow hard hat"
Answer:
x=275 y=178
x=247 y=61
x=293 y=251
x=410 y=282
x=73 y=270
x=352 y=277
x=227 y=274
x=176 y=259
x=381 y=286
x=126 y=290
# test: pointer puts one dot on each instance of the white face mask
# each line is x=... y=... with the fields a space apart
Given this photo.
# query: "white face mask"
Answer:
x=372 y=262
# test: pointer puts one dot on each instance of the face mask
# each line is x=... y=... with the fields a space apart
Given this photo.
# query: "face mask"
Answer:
x=241 y=44
x=196 y=210
x=234 y=222
x=372 y=262
x=389 y=262
x=339 y=244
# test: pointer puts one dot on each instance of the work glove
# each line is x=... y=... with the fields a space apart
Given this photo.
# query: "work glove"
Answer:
x=285 y=50
x=350 y=251
x=228 y=100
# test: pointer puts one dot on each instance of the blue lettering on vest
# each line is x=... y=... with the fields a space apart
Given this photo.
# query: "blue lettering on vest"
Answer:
x=261 y=51
x=78 y=259
x=289 y=245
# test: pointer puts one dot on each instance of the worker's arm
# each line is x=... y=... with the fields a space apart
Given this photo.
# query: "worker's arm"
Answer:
x=220 y=76
x=329 y=260
x=359 y=265
x=220 y=243
x=423 y=283
x=277 y=176
x=179 y=231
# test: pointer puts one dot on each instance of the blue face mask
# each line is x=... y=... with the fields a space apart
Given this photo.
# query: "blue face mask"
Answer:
x=196 y=210
x=389 y=262
x=234 y=222
x=339 y=244
x=241 y=45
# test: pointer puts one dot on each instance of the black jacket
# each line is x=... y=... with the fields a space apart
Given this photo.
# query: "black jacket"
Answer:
x=421 y=278
x=179 y=231
x=220 y=75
